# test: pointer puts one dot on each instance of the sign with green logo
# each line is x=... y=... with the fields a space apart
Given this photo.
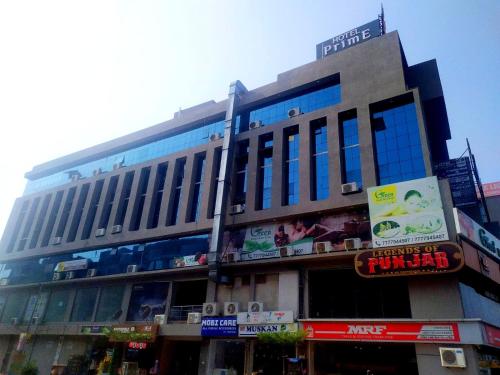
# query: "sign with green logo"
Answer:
x=407 y=213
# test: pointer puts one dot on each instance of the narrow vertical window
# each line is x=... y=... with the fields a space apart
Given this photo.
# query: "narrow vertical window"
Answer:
x=349 y=147
x=19 y=222
x=52 y=218
x=41 y=217
x=241 y=172
x=199 y=172
x=265 y=171
x=215 y=179
x=108 y=202
x=291 y=167
x=161 y=174
x=94 y=205
x=176 y=195
x=28 y=224
x=77 y=217
x=319 y=160
x=68 y=204
x=124 y=198
x=140 y=199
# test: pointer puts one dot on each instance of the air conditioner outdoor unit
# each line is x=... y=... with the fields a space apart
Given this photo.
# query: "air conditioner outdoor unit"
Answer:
x=116 y=229
x=286 y=251
x=132 y=268
x=210 y=309
x=294 y=112
x=100 y=232
x=14 y=321
x=231 y=308
x=56 y=240
x=233 y=257
x=57 y=276
x=237 y=209
x=255 y=124
x=351 y=187
x=255 y=306
x=452 y=357
x=215 y=137
x=34 y=320
x=97 y=172
x=159 y=319
x=91 y=272
x=352 y=243
x=75 y=177
x=323 y=247
x=70 y=275
x=4 y=282
x=194 y=318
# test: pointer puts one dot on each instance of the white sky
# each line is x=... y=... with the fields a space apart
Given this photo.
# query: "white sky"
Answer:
x=77 y=73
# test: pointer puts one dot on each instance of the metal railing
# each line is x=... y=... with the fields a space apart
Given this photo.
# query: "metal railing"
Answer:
x=179 y=313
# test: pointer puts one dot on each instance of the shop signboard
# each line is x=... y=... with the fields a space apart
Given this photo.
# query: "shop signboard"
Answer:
x=444 y=257
x=219 y=326
x=459 y=174
x=383 y=331
x=251 y=330
x=349 y=39
x=133 y=332
x=190 y=260
x=490 y=189
x=72 y=265
x=477 y=234
x=492 y=335
x=137 y=345
x=300 y=236
x=89 y=330
x=265 y=317
x=407 y=213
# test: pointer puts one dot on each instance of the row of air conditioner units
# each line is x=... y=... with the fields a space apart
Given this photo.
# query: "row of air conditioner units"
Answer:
x=230 y=308
x=98 y=233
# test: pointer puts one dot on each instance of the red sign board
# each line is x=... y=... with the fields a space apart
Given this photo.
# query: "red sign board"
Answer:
x=382 y=331
x=492 y=335
x=442 y=257
x=137 y=345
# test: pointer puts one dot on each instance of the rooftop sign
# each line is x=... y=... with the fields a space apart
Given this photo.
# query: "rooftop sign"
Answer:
x=350 y=38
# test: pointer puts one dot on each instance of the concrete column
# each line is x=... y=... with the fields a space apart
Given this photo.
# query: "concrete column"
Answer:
x=167 y=192
x=47 y=219
x=150 y=190
x=305 y=162
x=187 y=190
x=100 y=207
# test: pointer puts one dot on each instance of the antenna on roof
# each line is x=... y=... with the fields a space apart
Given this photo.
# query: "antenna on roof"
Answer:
x=381 y=19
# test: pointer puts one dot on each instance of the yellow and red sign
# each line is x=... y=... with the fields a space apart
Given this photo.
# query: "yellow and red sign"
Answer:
x=443 y=257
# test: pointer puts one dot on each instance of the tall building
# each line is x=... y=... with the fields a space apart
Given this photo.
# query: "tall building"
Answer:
x=306 y=206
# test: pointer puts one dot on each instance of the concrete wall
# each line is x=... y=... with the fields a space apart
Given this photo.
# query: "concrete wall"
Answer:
x=268 y=292
x=288 y=291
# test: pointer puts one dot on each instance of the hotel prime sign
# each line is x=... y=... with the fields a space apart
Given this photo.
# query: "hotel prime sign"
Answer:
x=350 y=38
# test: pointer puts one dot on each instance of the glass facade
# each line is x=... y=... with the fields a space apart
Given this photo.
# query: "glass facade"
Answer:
x=291 y=183
x=397 y=144
x=319 y=167
x=109 y=308
x=241 y=171
x=265 y=171
x=109 y=261
x=351 y=162
x=57 y=306
x=180 y=169
x=15 y=305
x=199 y=174
x=161 y=175
x=150 y=151
x=306 y=102
x=83 y=307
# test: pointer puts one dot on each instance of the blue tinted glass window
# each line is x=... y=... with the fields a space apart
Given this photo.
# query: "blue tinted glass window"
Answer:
x=198 y=188
x=266 y=171
x=241 y=172
x=320 y=189
x=397 y=144
x=351 y=163
x=308 y=102
x=130 y=157
x=291 y=184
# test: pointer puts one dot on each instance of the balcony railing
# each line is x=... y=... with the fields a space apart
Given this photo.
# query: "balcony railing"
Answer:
x=180 y=313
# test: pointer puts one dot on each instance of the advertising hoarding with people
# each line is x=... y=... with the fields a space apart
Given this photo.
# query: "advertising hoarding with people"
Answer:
x=407 y=213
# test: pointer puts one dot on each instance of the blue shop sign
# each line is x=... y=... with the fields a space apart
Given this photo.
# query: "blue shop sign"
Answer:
x=219 y=326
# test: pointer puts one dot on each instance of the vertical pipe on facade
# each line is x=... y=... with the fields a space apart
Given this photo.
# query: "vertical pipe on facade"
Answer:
x=235 y=90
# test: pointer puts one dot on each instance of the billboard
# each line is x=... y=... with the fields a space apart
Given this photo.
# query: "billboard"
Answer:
x=407 y=213
x=459 y=174
x=300 y=236
x=146 y=301
x=382 y=331
x=443 y=257
x=477 y=234
x=350 y=38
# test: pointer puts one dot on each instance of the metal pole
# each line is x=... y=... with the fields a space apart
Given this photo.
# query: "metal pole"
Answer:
x=478 y=181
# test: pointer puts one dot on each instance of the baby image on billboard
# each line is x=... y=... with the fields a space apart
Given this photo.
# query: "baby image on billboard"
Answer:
x=405 y=213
